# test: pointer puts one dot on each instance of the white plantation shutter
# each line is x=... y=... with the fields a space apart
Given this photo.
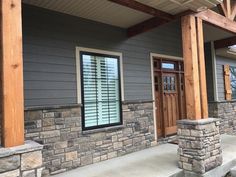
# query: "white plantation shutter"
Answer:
x=101 y=90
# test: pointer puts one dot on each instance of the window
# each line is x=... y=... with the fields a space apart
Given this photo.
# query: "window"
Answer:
x=233 y=81
x=101 y=90
x=168 y=66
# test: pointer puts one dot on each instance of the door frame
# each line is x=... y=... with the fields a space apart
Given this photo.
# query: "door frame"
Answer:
x=152 y=56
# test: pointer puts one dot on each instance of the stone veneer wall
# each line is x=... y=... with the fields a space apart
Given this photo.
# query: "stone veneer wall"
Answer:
x=66 y=146
x=226 y=112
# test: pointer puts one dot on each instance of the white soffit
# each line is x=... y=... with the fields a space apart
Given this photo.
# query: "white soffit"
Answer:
x=111 y=13
x=96 y=10
x=176 y=6
x=212 y=33
x=224 y=52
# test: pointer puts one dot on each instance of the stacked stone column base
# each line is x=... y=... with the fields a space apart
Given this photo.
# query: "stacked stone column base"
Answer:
x=21 y=161
x=199 y=145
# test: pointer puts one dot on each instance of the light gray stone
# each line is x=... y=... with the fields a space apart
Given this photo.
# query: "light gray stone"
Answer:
x=233 y=172
x=30 y=173
x=14 y=173
x=39 y=172
x=50 y=134
x=9 y=163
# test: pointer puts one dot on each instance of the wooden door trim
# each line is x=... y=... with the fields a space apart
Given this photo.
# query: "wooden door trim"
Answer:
x=152 y=57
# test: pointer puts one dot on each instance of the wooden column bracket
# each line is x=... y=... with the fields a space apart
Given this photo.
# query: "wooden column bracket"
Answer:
x=228 y=9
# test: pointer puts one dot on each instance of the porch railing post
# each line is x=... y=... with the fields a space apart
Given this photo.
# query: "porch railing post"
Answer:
x=12 y=100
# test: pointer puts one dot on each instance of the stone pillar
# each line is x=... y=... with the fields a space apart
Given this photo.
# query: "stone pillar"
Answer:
x=199 y=145
x=21 y=161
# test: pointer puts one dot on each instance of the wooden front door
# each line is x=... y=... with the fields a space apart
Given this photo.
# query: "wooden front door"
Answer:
x=169 y=95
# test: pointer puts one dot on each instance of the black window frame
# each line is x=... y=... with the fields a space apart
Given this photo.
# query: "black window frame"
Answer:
x=84 y=128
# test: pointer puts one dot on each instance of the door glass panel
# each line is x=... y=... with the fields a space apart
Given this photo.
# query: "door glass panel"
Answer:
x=169 y=83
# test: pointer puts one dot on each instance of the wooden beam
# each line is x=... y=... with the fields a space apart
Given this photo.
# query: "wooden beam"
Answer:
x=152 y=23
x=202 y=69
x=191 y=70
x=144 y=8
x=145 y=26
x=225 y=42
x=217 y=20
x=11 y=73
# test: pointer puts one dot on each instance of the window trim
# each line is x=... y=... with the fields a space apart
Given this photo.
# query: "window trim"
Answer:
x=80 y=98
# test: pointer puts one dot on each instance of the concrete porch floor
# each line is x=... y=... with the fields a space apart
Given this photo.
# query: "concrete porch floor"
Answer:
x=159 y=161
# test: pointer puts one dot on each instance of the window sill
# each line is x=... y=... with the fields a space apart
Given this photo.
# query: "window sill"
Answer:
x=105 y=129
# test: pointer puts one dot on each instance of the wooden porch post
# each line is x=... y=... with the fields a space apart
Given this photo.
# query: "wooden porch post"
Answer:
x=194 y=65
x=12 y=104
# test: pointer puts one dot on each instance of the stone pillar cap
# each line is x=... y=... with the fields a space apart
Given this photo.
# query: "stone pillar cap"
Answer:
x=197 y=122
x=29 y=146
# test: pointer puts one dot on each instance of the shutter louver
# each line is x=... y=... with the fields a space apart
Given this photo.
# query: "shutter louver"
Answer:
x=228 y=91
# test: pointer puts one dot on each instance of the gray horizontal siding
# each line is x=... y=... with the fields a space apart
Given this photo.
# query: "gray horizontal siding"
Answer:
x=220 y=62
x=50 y=39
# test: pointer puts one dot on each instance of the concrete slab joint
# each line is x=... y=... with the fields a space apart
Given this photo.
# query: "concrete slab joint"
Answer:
x=199 y=145
x=21 y=161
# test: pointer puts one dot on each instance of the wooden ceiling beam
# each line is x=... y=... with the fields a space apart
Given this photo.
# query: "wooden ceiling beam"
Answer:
x=145 y=26
x=217 y=20
x=153 y=23
x=225 y=42
x=144 y=8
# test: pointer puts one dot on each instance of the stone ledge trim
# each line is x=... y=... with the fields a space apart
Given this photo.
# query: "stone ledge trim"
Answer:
x=197 y=122
x=136 y=101
x=29 y=146
x=223 y=101
x=105 y=129
x=34 y=108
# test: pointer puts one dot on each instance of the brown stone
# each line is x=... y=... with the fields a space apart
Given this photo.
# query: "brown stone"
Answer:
x=60 y=145
x=31 y=160
x=71 y=156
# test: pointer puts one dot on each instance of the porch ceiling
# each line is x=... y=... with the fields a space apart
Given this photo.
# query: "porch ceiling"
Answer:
x=212 y=33
x=224 y=52
x=111 y=13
